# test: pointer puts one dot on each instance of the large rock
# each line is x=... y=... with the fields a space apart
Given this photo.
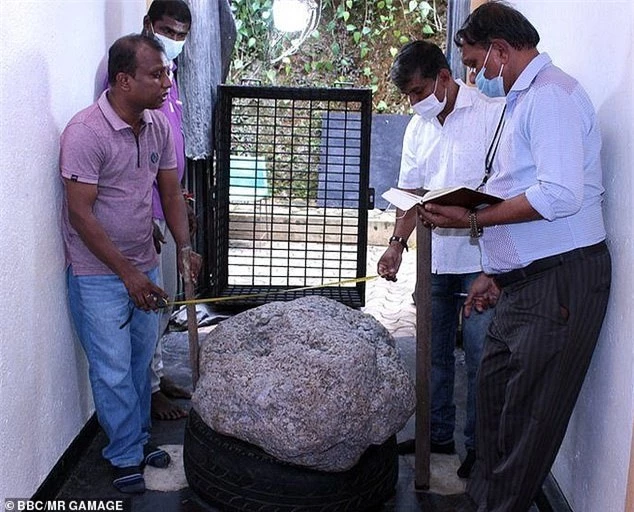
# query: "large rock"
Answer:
x=311 y=381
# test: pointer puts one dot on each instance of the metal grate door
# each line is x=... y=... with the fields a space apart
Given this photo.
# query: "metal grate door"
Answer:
x=291 y=194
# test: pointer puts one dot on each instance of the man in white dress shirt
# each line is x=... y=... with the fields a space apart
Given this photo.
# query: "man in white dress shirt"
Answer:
x=445 y=145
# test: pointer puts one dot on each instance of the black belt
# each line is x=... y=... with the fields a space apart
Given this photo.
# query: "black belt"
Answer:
x=508 y=278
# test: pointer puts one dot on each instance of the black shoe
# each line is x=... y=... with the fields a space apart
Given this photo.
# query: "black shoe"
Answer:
x=129 y=480
x=464 y=471
x=155 y=457
x=406 y=447
x=445 y=448
x=409 y=446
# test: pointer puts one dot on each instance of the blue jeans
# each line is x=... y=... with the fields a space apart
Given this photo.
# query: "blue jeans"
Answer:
x=445 y=310
x=119 y=360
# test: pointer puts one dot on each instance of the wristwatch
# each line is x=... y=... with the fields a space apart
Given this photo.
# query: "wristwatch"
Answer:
x=475 y=231
x=400 y=240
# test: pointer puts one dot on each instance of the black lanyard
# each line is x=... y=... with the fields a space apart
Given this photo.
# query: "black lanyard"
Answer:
x=493 y=148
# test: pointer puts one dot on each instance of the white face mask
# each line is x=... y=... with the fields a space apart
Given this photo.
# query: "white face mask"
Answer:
x=172 y=48
x=430 y=107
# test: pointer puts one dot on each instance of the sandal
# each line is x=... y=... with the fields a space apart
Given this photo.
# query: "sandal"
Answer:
x=155 y=456
x=129 y=480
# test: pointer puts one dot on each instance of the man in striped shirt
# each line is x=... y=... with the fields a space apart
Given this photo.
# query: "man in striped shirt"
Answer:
x=544 y=257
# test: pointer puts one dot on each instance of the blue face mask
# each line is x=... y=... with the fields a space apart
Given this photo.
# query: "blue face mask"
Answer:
x=491 y=87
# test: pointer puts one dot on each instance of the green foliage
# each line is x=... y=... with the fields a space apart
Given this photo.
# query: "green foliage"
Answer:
x=354 y=44
x=355 y=41
x=253 y=25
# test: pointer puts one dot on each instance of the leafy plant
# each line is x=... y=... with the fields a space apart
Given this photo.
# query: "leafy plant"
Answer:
x=355 y=42
x=353 y=45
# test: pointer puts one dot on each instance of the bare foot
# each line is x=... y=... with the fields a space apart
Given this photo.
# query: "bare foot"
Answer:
x=173 y=390
x=164 y=409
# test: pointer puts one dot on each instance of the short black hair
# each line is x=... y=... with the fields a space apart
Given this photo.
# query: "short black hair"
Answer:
x=122 y=54
x=417 y=58
x=176 y=9
x=497 y=20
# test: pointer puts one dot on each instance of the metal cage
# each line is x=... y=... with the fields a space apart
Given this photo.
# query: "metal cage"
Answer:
x=290 y=194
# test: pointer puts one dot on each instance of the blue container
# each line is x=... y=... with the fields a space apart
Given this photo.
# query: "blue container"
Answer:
x=248 y=179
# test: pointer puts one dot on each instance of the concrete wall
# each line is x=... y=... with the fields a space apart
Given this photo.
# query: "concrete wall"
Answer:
x=593 y=41
x=47 y=67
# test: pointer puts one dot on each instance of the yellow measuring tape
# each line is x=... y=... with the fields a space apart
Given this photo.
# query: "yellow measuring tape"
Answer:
x=251 y=295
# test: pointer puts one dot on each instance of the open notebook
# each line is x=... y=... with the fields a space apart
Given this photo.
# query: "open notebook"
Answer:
x=451 y=196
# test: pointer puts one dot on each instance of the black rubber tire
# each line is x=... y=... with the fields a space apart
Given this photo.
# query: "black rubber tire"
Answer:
x=236 y=476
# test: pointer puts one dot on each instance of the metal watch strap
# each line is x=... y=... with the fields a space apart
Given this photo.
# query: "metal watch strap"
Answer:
x=474 y=230
x=400 y=240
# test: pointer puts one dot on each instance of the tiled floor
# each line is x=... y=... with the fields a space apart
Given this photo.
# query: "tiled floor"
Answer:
x=392 y=304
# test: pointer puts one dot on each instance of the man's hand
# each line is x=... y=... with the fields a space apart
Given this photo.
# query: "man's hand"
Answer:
x=390 y=262
x=434 y=215
x=195 y=264
x=143 y=292
x=157 y=236
x=483 y=294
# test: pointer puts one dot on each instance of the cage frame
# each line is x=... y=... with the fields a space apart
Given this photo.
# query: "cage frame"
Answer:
x=215 y=208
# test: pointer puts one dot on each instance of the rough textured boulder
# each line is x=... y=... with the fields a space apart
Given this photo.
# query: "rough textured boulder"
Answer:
x=311 y=381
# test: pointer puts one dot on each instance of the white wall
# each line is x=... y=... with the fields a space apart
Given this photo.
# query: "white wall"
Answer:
x=593 y=41
x=47 y=66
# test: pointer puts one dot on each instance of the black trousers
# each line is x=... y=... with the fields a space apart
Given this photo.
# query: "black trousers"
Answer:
x=536 y=355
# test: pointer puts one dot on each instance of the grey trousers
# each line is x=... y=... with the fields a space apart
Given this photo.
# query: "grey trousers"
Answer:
x=536 y=355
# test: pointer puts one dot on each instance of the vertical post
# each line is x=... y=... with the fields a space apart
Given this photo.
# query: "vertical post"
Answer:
x=423 y=355
x=457 y=12
x=192 y=321
x=477 y=3
x=629 y=498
